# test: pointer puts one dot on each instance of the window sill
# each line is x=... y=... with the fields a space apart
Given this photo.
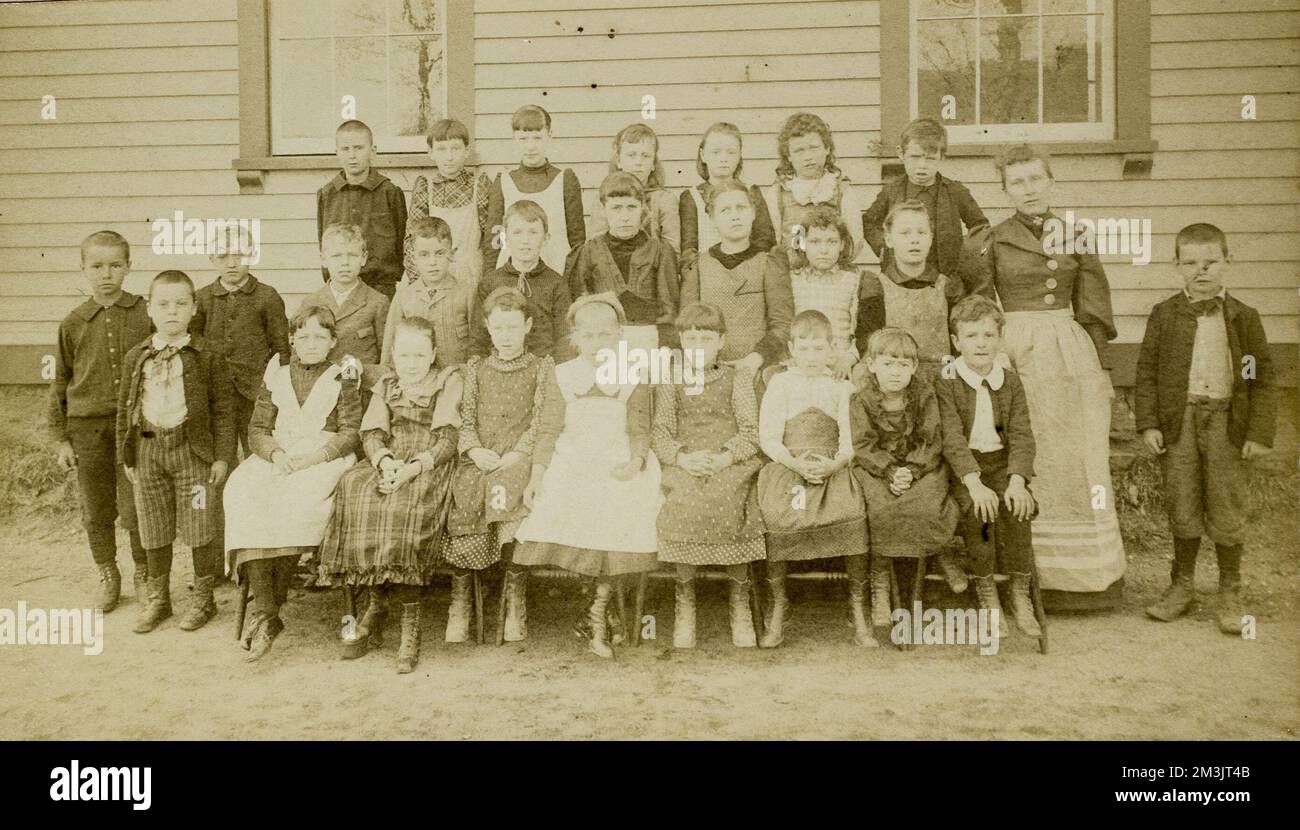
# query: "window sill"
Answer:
x=1138 y=153
x=251 y=172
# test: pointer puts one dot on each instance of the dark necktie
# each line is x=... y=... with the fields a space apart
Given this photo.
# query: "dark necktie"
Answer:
x=1207 y=308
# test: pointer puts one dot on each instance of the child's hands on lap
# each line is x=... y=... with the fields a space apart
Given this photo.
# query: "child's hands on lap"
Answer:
x=986 y=501
x=484 y=459
x=403 y=474
x=510 y=459
x=1019 y=500
x=901 y=481
x=1253 y=449
x=283 y=465
x=1155 y=441
x=721 y=460
x=699 y=463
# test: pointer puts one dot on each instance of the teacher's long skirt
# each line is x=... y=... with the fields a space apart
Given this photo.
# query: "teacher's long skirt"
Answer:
x=1077 y=543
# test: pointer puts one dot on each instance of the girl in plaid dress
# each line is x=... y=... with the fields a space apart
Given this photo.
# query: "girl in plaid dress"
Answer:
x=706 y=436
x=824 y=279
x=511 y=415
x=390 y=511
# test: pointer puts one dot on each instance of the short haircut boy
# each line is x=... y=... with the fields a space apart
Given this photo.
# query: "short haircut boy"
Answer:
x=530 y=118
x=910 y=206
x=701 y=317
x=171 y=277
x=106 y=239
x=810 y=323
x=319 y=313
x=430 y=227
x=1200 y=233
x=925 y=133
x=824 y=217
x=354 y=126
x=528 y=211
x=339 y=233
x=972 y=309
x=894 y=342
x=620 y=185
x=448 y=129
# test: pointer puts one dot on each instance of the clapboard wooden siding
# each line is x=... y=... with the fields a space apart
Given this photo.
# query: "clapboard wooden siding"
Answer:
x=148 y=123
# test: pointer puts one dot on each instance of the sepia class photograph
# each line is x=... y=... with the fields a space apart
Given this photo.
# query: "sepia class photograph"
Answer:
x=649 y=370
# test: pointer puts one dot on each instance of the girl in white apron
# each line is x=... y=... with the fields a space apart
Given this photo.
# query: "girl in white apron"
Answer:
x=303 y=434
x=596 y=510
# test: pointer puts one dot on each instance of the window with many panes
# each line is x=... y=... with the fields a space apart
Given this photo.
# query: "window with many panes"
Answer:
x=384 y=57
x=1014 y=70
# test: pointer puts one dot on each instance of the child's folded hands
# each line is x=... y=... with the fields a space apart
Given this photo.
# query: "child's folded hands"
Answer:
x=404 y=473
x=510 y=459
x=484 y=458
x=698 y=463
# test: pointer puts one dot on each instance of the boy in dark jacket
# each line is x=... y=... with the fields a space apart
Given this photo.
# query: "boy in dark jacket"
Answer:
x=950 y=205
x=176 y=439
x=989 y=443
x=1205 y=405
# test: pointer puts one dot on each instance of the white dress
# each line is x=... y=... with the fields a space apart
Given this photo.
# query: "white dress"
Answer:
x=265 y=509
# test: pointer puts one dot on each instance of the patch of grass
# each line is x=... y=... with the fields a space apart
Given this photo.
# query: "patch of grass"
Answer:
x=33 y=490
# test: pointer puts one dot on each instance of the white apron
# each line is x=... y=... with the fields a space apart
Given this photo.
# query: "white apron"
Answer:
x=265 y=509
x=581 y=504
x=551 y=201
x=466 y=258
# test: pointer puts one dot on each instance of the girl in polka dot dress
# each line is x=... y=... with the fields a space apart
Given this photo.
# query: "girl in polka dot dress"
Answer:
x=706 y=437
x=510 y=415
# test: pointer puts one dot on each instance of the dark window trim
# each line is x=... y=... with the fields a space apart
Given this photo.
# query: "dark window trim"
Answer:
x=1132 y=93
x=255 y=157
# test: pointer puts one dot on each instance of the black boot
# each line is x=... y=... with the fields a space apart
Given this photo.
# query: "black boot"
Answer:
x=858 y=609
x=1022 y=605
x=202 y=606
x=881 y=604
x=1178 y=598
x=141 y=580
x=371 y=626
x=110 y=587
x=408 y=651
x=742 y=617
x=160 y=604
x=1230 y=610
x=778 y=614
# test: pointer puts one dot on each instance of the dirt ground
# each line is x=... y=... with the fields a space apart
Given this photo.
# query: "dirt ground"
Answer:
x=1114 y=675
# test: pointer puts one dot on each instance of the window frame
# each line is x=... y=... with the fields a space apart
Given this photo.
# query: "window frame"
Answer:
x=1131 y=31
x=1102 y=130
x=320 y=145
x=255 y=155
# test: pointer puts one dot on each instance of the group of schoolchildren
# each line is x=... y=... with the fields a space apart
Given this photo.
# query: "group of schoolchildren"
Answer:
x=441 y=400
